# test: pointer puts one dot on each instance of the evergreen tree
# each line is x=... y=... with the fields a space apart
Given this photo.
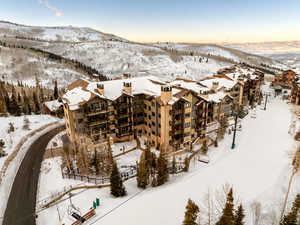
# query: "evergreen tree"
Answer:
x=96 y=163
x=19 y=98
x=174 y=165
x=2 y=101
x=13 y=104
x=162 y=170
x=36 y=103
x=191 y=213
x=142 y=172
x=186 y=164
x=117 y=188
x=228 y=217
x=7 y=100
x=239 y=216
x=42 y=97
x=55 y=94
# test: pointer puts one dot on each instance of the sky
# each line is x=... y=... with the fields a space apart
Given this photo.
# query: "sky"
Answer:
x=209 y=21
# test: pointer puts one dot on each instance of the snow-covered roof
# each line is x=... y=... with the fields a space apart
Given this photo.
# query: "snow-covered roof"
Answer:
x=222 y=82
x=216 y=97
x=113 y=89
x=76 y=96
x=53 y=105
x=189 y=85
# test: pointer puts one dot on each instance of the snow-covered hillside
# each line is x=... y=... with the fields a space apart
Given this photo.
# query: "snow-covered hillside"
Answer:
x=21 y=65
x=70 y=34
x=114 y=56
x=291 y=59
x=225 y=53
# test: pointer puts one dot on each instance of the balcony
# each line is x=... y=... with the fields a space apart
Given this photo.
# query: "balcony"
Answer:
x=95 y=123
x=92 y=112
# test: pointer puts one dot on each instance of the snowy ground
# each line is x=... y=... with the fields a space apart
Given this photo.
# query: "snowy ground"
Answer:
x=257 y=169
x=56 y=141
x=13 y=138
x=11 y=141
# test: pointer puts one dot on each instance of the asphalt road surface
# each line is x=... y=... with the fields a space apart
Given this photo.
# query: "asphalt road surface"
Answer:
x=20 y=208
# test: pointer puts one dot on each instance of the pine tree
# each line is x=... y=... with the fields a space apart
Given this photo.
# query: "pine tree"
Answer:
x=7 y=100
x=162 y=170
x=191 y=213
x=96 y=163
x=26 y=108
x=55 y=94
x=228 y=217
x=239 y=216
x=13 y=104
x=3 y=108
x=117 y=188
x=19 y=98
x=42 y=97
x=174 y=165
x=186 y=164
x=142 y=172
x=36 y=103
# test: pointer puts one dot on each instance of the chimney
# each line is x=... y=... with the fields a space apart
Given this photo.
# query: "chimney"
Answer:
x=100 y=89
x=204 y=94
x=166 y=94
x=215 y=85
x=127 y=88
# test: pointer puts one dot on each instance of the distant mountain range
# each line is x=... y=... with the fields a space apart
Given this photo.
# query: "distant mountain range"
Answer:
x=112 y=55
x=267 y=47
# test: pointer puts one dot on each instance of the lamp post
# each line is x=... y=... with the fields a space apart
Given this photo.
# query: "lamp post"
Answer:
x=234 y=131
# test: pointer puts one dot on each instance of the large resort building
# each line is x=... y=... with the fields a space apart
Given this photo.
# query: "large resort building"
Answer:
x=171 y=115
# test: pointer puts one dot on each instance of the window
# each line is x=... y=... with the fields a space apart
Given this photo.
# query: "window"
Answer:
x=187 y=115
x=186 y=134
x=186 y=125
x=187 y=105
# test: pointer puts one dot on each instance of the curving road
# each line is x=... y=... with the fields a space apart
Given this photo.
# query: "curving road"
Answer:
x=20 y=208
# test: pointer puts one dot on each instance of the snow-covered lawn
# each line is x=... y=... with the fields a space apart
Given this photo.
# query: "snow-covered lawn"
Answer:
x=258 y=169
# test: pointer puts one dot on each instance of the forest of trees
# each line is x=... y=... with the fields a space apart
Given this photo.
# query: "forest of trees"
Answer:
x=19 y=99
x=232 y=214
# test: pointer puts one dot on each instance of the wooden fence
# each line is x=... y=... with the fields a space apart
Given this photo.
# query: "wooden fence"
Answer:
x=131 y=172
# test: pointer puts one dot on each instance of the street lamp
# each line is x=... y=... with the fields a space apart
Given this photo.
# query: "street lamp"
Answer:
x=236 y=114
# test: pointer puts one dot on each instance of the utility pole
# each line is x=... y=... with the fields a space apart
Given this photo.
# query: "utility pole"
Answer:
x=234 y=131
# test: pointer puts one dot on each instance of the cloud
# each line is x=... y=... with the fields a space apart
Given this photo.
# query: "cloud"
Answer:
x=55 y=10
